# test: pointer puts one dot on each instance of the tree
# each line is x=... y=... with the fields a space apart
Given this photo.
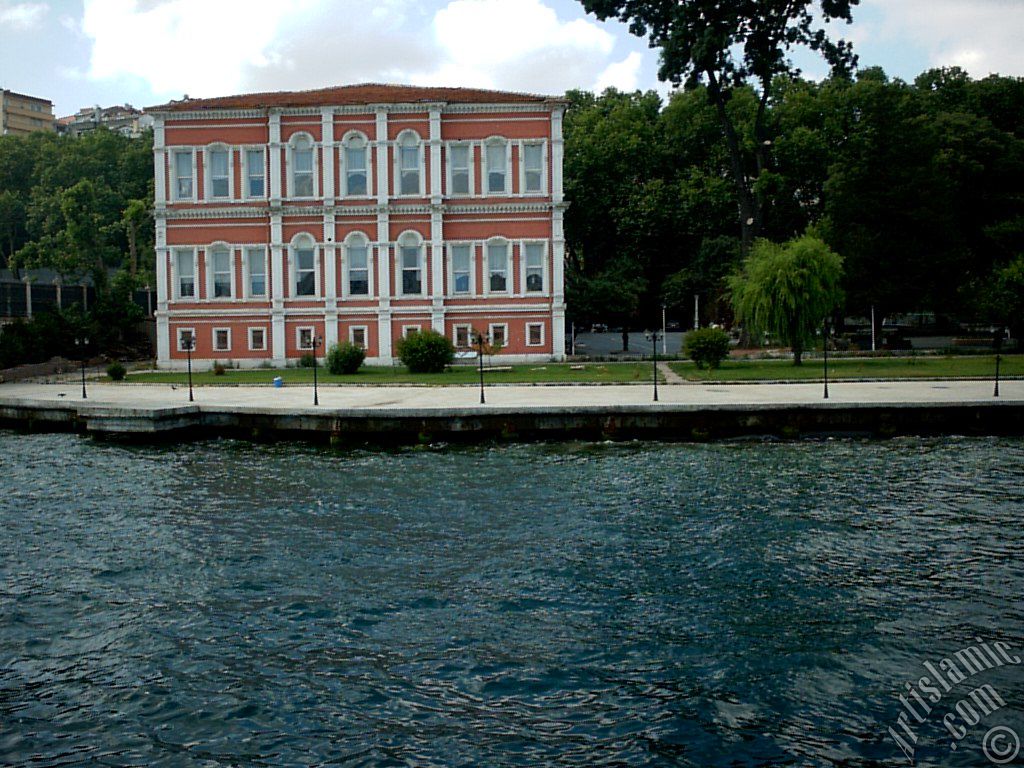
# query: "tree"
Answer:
x=727 y=45
x=612 y=295
x=787 y=290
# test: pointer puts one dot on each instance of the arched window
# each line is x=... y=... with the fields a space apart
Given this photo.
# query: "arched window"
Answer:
x=496 y=161
x=220 y=273
x=305 y=280
x=499 y=257
x=409 y=164
x=355 y=161
x=534 y=260
x=410 y=264
x=302 y=166
x=357 y=265
x=218 y=172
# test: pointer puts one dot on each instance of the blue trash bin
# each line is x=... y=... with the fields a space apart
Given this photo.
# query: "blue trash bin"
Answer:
x=278 y=382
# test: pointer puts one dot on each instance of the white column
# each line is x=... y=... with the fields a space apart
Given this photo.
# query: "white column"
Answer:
x=159 y=163
x=383 y=287
x=275 y=158
x=435 y=155
x=381 y=143
x=437 y=269
x=327 y=154
x=277 y=293
x=331 y=280
x=163 y=338
x=557 y=147
x=557 y=284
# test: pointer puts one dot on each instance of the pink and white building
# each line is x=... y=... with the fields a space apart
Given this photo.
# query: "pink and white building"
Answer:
x=358 y=213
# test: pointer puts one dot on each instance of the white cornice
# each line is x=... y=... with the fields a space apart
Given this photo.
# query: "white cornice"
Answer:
x=366 y=211
x=171 y=117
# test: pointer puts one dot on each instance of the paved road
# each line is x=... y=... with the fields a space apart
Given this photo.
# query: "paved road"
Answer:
x=290 y=399
x=602 y=344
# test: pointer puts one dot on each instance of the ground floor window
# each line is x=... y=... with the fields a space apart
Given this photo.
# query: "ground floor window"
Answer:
x=221 y=339
x=498 y=333
x=304 y=337
x=257 y=339
x=186 y=339
x=357 y=336
x=409 y=329
x=534 y=334
x=462 y=336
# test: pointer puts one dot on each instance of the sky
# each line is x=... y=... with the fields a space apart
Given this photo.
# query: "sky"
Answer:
x=79 y=53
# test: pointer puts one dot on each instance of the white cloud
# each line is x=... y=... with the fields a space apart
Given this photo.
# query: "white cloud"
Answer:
x=22 y=15
x=624 y=75
x=982 y=36
x=176 y=46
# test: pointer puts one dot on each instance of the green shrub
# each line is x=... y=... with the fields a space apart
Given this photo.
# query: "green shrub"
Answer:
x=307 y=360
x=116 y=371
x=218 y=368
x=426 y=352
x=345 y=358
x=707 y=347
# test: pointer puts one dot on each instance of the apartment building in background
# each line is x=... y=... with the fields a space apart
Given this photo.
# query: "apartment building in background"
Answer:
x=124 y=119
x=20 y=114
x=358 y=213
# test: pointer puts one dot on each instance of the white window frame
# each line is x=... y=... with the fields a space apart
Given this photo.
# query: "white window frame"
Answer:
x=357 y=239
x=366 y=335
x=246 y=195
x=486 y=176
x=180 y=333
x=213 y=339
x=350 y=138
x=262 y=329
x=490 y=333
x=470 y=152
x=208 y=253
x=208 y=171
x=543 y=266
x=247 y=272
x=312 y=338
x=294 y=140
x=176 y=254
x=488 y=291
x=191 y=152
x=407 y=329
x=409 y=135
x=469 y=335
x=451 y=268
x=300 y=242
x=543 y=167
x=542 y=334
x=410 y=239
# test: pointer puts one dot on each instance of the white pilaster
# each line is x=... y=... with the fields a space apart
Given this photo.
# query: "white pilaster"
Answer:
x=383 y=287
x=159 y=163
x=557 y=147
x=277 y=291
x=558 y=281
x=437 y=269
x=275 y=158
x=163 y=337
x=381 y=144
x=435 y=155
x=327 y=154
x=331 y=283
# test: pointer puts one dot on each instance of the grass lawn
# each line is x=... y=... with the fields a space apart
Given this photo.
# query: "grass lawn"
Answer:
x=542 y=373
x=855 y=368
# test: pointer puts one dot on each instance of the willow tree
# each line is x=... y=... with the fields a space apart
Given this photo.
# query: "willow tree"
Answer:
x=787 y=290
x=728 y=45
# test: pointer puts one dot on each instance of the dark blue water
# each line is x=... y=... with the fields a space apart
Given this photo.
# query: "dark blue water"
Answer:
x=744 y=604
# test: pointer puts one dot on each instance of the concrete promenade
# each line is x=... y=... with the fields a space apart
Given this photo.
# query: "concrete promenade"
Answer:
x=361 y=414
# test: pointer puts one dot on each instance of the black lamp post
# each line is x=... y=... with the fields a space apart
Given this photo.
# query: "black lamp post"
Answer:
x=652 y=336
x=997 y=342
x=81 y=343
x=188 y=341
x=316 y=341
x=824 y=347
x=481 y=341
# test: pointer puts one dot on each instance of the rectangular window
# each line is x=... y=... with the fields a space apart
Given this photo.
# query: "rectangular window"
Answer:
x=254 y=173
x=408 y=330
x=412 y=282
x=497 y=267
x=256 y=262
x=357 y=335
x=496 y=168
x=533 y=168
x=257 y=339
x=219 y=186
x=186 y=339
x=460 y=170
x=305 y=272
x=186 y=269
x=305 y=338
x=534 y=258
x=462 y=336
x=498 y=333
x=461 y=265
x=409 y=170
x=355 y=171
x=302 y=174
x=183 y=175
x=358 y=270
x=534 y=334
x=220 y=273
x=221 y=340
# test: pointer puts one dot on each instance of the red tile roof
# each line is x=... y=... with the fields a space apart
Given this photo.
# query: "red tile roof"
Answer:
x=365 y=93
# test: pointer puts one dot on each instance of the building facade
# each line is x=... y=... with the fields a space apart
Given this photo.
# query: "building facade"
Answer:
x=126 y=120
x=358 y=213
x=20 y=114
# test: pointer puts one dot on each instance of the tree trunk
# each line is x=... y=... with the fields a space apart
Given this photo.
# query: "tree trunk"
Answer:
x=797 y=344
x=625 y=338
x=132 y=253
